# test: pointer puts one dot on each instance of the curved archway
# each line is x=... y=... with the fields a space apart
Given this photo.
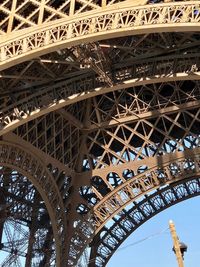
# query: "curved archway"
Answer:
x=49 y=37
x=62 y=94
x=174 y=168
x=114 y=21
x=143 y=210
x=22 y=210
x=26 y=163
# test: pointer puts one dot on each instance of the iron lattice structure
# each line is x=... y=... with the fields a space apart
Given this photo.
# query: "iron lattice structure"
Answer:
x=99 y=123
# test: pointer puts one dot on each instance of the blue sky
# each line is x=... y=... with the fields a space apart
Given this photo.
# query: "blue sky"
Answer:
x=157 y=251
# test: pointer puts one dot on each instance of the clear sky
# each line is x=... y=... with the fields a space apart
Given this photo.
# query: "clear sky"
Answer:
x=157 y=251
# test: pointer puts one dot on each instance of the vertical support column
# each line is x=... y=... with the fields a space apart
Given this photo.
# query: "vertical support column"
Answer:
x=93 y=252
x=46 y=260
x=3 y=212
x=33 y=228
x=83 y=148
x=76 y=238
x=2 y=215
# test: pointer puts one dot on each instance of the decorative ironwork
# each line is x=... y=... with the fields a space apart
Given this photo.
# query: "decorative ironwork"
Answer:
x=24 y=226
x=13 y=156
x=141 y=184
x=107 y=22
x=99 y=110
x=129 y=220
x=65 y=93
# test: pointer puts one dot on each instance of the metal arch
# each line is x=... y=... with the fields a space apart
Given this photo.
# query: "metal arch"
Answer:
x=82 y=235
x=156 y=133
x=178 y=166
x=169 y=170
x=132 y=219
x=74 y=90
x=133 y=114
x=14 y=156
x=115 y=21
x=44 y=11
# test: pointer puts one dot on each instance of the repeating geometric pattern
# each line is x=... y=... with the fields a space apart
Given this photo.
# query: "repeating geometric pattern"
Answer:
x=129 y=220
x=17 y=15
x=97 y=26
x=99 y=123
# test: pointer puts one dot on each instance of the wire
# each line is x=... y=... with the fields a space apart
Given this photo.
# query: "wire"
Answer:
x=142 y=240
x=137 y=242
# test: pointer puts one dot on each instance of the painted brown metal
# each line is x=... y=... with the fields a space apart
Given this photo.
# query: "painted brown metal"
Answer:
x=99 y=122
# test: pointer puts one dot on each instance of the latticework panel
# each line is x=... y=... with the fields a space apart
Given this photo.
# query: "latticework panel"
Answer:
x=59 y=79
x=130 y=219
x=121 y=134
x=108 y=22
x=25 y=227
x=19 y=14
x=99 y=117
x=54 y=135
x=142 y=122
x=22 y=14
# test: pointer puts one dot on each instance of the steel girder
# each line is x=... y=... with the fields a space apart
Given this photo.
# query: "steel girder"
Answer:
x=24 y=222
x=54 y=97
x=129 y=220
x=162 y=146
x=16 y=157
x=111 y=21
x=100 y=124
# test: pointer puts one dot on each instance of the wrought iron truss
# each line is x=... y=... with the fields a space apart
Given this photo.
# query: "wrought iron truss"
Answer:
x=128 y=220
x=110 y=20
x=25 y=224
x=99 y=122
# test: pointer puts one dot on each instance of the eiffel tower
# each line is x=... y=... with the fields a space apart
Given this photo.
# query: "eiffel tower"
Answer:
x=99 y=123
